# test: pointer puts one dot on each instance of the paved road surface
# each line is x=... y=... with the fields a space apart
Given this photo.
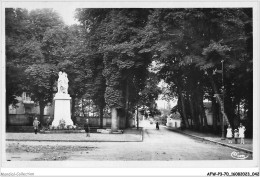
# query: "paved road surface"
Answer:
x=160 y=144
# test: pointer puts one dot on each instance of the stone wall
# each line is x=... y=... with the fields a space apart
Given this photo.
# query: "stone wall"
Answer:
x=93 y=121
x=23 y=119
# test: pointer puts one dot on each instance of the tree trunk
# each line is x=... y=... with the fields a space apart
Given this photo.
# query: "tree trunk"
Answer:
x=203 y=115
x=202 y=109
x=180 y=96
x=230 y=105
x=238 y=109
x=196 y=111
x=114 y=120
x=194 y=118
x=89 y=108
x=220 y=101
x=82 y=108
x=73 y=102
x=7 y=115
x=250 y=115
x=101 y=115
x=42 y=105
x=214 y=113
x=183 y=109
x=126 y=106
x=137 y=118
x=213 y=85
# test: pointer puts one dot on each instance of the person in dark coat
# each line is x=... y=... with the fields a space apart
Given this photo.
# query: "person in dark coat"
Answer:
x=157 y=125
x=236 y=135
x=48 y=122
x=87 y=128
x=36 y=125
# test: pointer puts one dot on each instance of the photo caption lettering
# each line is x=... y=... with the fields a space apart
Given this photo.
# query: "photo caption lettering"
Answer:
x=233 y=174
x=17 y=174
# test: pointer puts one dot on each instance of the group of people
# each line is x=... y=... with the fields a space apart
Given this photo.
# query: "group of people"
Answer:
x=237 y=134
x=36 y=124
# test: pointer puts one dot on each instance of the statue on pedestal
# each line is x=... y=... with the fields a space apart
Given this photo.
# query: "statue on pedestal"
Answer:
x=63 y=83
x=62 y=107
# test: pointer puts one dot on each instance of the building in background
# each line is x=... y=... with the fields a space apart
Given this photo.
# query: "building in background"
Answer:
x=174 y=120
x=25 y=111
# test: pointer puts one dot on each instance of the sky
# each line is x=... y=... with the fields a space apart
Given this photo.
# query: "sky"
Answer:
x=67 y=13
x=162 y=104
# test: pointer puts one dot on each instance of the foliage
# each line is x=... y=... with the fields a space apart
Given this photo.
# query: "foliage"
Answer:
x=189 y=45
x=118 y=45
x=25 y=54
x=39 y=81
x=16 y=33
x=149 y=95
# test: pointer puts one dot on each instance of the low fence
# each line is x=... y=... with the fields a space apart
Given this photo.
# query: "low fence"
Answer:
x=27 y=120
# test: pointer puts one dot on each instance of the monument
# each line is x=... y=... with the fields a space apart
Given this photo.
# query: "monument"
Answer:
x=62 y=102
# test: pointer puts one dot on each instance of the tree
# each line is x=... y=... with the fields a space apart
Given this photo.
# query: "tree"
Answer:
x=116 y=31
x=25 y=56
x=16 y=33
x=41 y=20
x=39 y=81
x=98 y=94
x=189 y=45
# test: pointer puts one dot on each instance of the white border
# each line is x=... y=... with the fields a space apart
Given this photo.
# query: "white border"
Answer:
x=169 y=168
x=128 y=171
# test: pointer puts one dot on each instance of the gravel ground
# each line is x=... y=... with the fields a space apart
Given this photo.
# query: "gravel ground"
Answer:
x=130 y=135
x=44 y=152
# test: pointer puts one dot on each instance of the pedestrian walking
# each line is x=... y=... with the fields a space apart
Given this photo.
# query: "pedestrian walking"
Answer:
x=157 y=125
x=48 y=122
x=229 y=134
x=236 y=135
x=241 y=131
x=36 y=124
x=87 y=128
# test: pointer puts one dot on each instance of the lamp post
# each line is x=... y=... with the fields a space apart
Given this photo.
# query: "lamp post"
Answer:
x=223 y=94
x=137 y=118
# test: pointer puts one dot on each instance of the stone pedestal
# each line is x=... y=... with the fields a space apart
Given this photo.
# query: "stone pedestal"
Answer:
x=114 y=120
x=62 y=109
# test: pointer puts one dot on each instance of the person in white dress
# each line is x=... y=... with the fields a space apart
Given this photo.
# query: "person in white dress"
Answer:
x=241 y=130
x=229 y=134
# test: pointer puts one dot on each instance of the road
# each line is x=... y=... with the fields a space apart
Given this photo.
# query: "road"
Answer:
x=162 y=145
